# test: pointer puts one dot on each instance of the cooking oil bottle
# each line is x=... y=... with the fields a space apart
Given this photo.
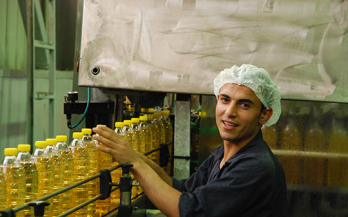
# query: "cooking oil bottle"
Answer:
x=139 y=135
x=2 y=190
x=104 y=162
x=66 y=159
x=337 y=175
x=58 y=173
x=25 y=159
x=130 y=134
x=161 y=130
x=155 y=137
x=93 y=167
x=15 y=180
x=45 y=169
x=145 y=128
x=81 y=170
x=291 y=140
x=116 y=174
x=168 y=128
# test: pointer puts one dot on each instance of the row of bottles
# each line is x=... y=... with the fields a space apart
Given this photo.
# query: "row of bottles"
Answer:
x=322 y=151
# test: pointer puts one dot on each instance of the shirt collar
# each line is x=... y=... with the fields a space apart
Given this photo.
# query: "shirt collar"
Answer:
x=219 y=152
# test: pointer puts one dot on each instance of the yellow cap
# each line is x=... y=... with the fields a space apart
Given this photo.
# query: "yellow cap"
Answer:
x=51 y=141
x=143 y=109
x=23 y=147
x=119 y=124
x=40 y=144
x=77 y=135
x=151 y=116
x=61 y=138
x=10 y=151
x=150 y=110
x=165 y=112
x=101 y=125
x=135 y=120
x=127 y=122
x=157 y=114
x=200 y=113
x=143 y=118
x=86 y=131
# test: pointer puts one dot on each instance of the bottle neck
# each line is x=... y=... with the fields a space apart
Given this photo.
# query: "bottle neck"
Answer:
x=9 y=159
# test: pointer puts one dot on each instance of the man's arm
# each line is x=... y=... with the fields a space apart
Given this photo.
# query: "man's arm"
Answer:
x=153 y=180
x=160 y=172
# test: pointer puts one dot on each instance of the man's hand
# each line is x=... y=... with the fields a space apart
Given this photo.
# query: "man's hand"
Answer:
x=115 y=145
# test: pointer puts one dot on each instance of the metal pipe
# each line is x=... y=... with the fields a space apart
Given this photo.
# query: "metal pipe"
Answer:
x=80 y=206
x=308 y=154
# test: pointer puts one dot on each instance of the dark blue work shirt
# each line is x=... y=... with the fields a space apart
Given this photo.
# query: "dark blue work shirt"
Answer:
x=250 y=184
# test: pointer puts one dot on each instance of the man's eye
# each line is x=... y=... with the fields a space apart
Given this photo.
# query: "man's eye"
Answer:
x=224 y=99
x=245 y=105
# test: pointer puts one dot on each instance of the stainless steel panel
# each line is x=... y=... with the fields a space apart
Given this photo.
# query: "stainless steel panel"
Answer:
x=180 y=46
x=182 y=139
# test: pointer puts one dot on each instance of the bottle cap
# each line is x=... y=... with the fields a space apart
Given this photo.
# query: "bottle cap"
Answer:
x=86 y=131
x=157 y=114
x=135 y=120
x=77 y=135
x=40 y=144
x=151 y=116
x=199 y=113
x=144 y=109
x=150 y=110
x=23 y=147
x=10 y=151
x=61 y=138
x=143 y=118
x=127 y=122
x=165 y=112
x=51 y=141
x=119 y=124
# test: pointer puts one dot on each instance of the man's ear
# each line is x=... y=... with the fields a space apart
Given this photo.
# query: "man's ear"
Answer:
x=266 y=114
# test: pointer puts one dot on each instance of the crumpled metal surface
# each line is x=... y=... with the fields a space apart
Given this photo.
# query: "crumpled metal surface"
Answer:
x=181 y=45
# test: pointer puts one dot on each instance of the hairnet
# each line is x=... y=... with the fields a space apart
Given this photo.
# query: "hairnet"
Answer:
x=258 y=80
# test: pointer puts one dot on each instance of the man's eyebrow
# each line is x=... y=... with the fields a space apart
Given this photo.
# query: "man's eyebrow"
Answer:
x=246 y=100
x=224 y=95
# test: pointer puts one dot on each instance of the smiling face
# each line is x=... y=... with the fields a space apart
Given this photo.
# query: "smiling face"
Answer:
x=238 y=114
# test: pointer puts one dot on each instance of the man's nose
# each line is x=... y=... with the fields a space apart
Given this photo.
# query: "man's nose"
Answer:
x=231 y=110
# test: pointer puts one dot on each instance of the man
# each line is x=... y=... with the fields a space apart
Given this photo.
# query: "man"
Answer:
x=242 y=177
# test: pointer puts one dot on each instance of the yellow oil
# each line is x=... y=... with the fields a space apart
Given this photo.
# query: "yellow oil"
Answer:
x=168 y=135
x=314 y=167
x=68 y=168
x=130 y=134
x=270 y=135
x=93 y=168
x=160 y=128
x=155 y=137
x=337 y=175
x=104 y=162
x=81 y=170
x=15 y=183
x=45 y=170
x=145 y=128
x=138 y=135
x=2 y=190
x=290 y=139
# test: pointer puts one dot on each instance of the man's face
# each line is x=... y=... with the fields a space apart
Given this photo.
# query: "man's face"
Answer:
x=237 y=114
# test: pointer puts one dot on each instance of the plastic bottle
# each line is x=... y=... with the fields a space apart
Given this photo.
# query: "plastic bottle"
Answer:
x=104 y=162
x=45 y=169
x=58 y=173
x=139 y=135
x=144 y=111
x=314 y=167
x=93 y=167
x=116 y=174
x=155 y=139
x=145 y=128
x=160 y=126
x=130 y=134
x=270 y=135
x=15 y=180
x=2 y=190
x=81 y=170
x=67 y=165
x=290 y=139
x=25 y=159
x=337 y=175
x=168 y=128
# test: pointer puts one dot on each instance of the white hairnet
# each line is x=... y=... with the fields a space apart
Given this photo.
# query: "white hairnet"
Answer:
x=258 y=80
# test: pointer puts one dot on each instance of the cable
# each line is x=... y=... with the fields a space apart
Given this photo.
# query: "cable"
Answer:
x=84 y=114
